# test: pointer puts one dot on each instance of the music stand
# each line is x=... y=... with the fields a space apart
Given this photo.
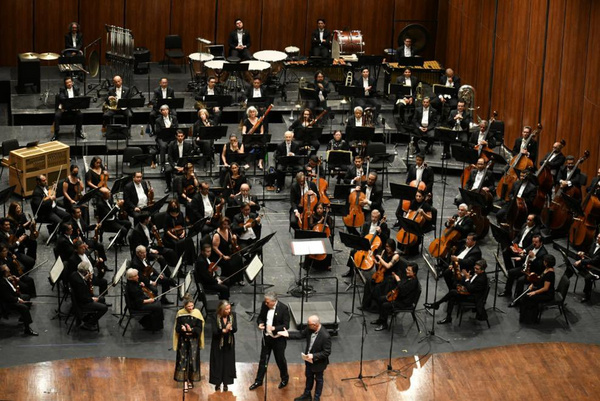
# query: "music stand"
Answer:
x=403 y=192
x=254 y=268
x=350 y=92
x=218 y=100
x=415 y=61
x=55 y=273
x=211 y=134
x=496 y=157
x=307 y=243
x=431 y=333
x=291 y=164
x=307 y=135
x=157 y=205
x=76 y=104
x=174 y=103
x=167 y=134
x=257 y=141
x=360 y=134
x=465 y=155
x=120 y=183
x=445 y=91
x=130 y=103
x=116 y=132
x=412 y=227
x=85 y=198
x=141 y=161
x=400 y=90
x=574 y=209
x=503 y=240
x=5 y=195
x=356 y=243
x=338 y=158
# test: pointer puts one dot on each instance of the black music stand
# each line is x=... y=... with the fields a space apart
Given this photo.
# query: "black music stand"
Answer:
x=218 y=100
x=155 y=208
x=306 y=236
x=412 y=227
x=257 y=141
x=259 y=102
x=292 y=164
x=85 y=198
x=116 y=132
x=174 y=103
x=400 y=90
x=256 y=249
x=167 y=134
x=497 y=158
x=403 y=192
x=431 y=333
x=76 y=104
x=5 y=195
x=443 y=90
x=307 y=135
x=466 y=155
x=338 y=158
x=383 y=158
x=211 y=134
x=415 y=61
x=120 y=183
x=360 y=134
x=503 y=240
x=350 y=92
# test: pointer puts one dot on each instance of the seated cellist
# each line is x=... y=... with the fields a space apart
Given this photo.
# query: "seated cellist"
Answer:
x=374 y=226
x=421 y=211
x=300 y=190
x=524 y=189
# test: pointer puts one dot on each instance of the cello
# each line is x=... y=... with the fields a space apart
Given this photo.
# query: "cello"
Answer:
x=356 y=216
x=365 y=260
x=308 y=203
x=405 y=238
x=545 y=181
x=420 y=185
x=558 y=214
x=583 y=229
x=322 y=185
x=518 y=162
x=440 y=246
x=322 y=228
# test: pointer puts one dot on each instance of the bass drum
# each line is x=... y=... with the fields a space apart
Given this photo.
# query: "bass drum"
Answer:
x=350 y=42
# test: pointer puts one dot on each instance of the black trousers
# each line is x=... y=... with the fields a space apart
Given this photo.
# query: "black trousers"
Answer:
x=320 y=51
x=277 y=345
x=22 y=310
x=311 y=378
x=58 y=115
x=99 y=309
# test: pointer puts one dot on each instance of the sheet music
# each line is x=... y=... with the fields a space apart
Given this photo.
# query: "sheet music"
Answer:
x=315 y=247
x=56 y=270
x=306 y=358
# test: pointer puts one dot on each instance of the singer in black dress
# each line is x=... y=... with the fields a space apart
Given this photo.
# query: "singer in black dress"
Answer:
x=188 y=340
x=222 y=348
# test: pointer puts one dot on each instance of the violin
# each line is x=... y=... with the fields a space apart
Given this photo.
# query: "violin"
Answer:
x=322 y=185
x=150 y=194
x=365 y=260
x=392 y=295
x=212 y=266
x=218 y=212
x=235 y=247
x=148 y=293
x=103 y=180
x=15 y=283
x=178 y=231
x=157 y=237
x=252 y=222
x=33 y=231
x=89 y=279
x=379 y=275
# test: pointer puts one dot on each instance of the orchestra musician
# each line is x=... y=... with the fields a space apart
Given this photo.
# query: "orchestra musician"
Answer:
x=482 y=138
x=189 y=186
x=25 y=282
x=135 y=196
x=524 y=189
x=234 y=179
x=65 y=246
x=466 y=257
x=164 y=121
x=425 y=121
x=178 y=152
x=301 y=187
x=530 y=149
x=175 y=235
x=244 y=197
x=337 y=143
x=574 y=181
x=12 y=299
x=589 y=268
x=421 y=208
x=355 y=174
x=406 y=289
x=203 y=145
x=14 y=236
x=145 y=234
x=211 y=89
x=151 y=276
x=408 y=100
x=286 y=148
x=223 y=246
x=72 y=189
x=471 y=286
x=115 y=93
x=421 y=172
x=522 y=240
x=539 y=291
x=247 y=226
x=388 y=262
x=67 y=92
x=370 y=99
x=74 y=38
x=163 y=91
x=209 y=279
x=87 y=302
x=479 y=178
x=534 y=254
x=320 y=40
x=450 y=80
x=594 y=186
x=555 y=159
x=80 y=255
x=139 y=301
x=458 y=120
x=357 y=119
x=80 y=230
x=310 y=168
x=320 y=216
x=239 y=42
x=115 y=222
x=321 y=85
x=256 y=91
x=45 y=204
x=95 y=174
x=406 y=50
x=249 y=123
x=373 y=193
x=375 y=226
x=229 y=155
x=203 y=206
x=461 y=221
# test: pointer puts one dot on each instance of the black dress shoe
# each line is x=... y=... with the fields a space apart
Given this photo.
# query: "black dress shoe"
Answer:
x=584 y=300
x=381 y=327
x=254 y=385
x=282 y=384
x=431 y=306
x=162 y=169
x=225 y=387
x=29 y=332
x=505 y=294
x=445 y=321
x=54 y=138
x=81 y=135
x=376 y=322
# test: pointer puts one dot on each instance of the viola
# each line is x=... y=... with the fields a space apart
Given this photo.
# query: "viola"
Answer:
x=216 y=218
x=150 y=194
x=157 y=237
x=235 y=247
x=212 y=267
x=379 y=275
x=148 y=293
x=392 y=295
x=365 y=260
x=252 y=222
x=103 y=180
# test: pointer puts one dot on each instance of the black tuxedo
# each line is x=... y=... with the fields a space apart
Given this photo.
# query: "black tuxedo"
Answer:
x=10 y=299
x=281 y=151
x=516 y=273
x=376 y=197
x=208 y=279
x=233 y=42
x=594 y=186
x=489 y=138
x=352 y=122
x=296 y=195
x=532 y=148
x=414 y=82
x=575 y=177
x=528 y=195
x=249 y=92
x=71 y=268
x=477 y=289
x=81 y=295
x=586 y=267
x=455 y=80
x=281 y=321
x=195 y=210
x=58 y=114
x=351 y=174
x=78 y=41
x=236 y=227
x=400 y=52
x=135 y=297
x=138 y=237
x=159 y=125
x=47 y=213
x=427 y=177
x=464 y=123
x=108 y=114
x=428 y=135
x=488 y=180
x=370 y=99
x=130 y=197
x=385 y=232
x=466 y=263
x=158 y=96
x=557 y=161
x=174 y=159
x=318 y=48
x=325 y=92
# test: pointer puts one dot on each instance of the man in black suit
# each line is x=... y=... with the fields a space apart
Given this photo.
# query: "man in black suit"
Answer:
x=407 y=290
x=45 y=204
x=480 y=178
x=321 y=85
x=67 y=92
x=246 y=225
x=472 y=286
x=373 y=194
x=103 y=206
x=28 y=258
x=139 y=301
x=164 y=121
x=203 y=205
x=370 y=86
x=286 y=148
x=239 y=41
x=589 y=268
x=274 y=318
x=555 y=159
x=135 y=196
x=466 y=257
x=151 y=275
x=115 y=93
x=163 y=91
x=210 y=280
x=211 y=89
x=483 y=138
x=299 y=188
x=65 y=247
x=374 y=225
x=425 y=120
x=178 y=152
x=256 y=91
x=451 y=80
x=80 y=255
x=320 y=40
x=245 y=197
x=13 y=301
x=356 y=172
x=86 y=301
x=74 y=38
x=523 y=240
x=407 y=100
x=525 y=189
x=420 y=172
x=406 y=50
x=534 y=254
x=80 y=229
x=316 y=357
x=525 y=145
x=142 y=235
x=569 y=177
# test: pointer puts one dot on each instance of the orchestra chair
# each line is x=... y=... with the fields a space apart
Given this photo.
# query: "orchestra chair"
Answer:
x=338 y=169
x=159 y=219
x=8 y=146
x=78 y=315
x=470 y=305
x=177 y=186
x=411 y=310
x=128 y=155
x=131 y=314
x=560 y=295
x=173 y=50
x=201 y=293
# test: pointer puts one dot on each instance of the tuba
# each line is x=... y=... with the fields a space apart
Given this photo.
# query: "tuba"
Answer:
x=466 y=93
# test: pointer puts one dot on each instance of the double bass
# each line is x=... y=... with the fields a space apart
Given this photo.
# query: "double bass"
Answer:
x=518 y=162
x=545 y=181
x=483 y=150
x=583 y=229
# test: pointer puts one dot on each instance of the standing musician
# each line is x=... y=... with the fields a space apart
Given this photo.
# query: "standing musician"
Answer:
x=421 y=172
x=466 y=257
x=175 y=235
x=589 y=268
x=425 y=120
x=554 y=159
x=483 y=138
x=524 y=189
x=135 y=196
x=419 y=207
x=286 y=148
x=249 y=123
x=146 y=235
x=139 y=301
x=203 y=145
x=299 y=189
x=522 y=240
x=374 y=227
x=233 y=180
x=96 y=174
x=150 y=276
x=18 y=242
x=80 y=230
x=26 y=283
x=85 y=299
x=355 y=174
x=80 y=255
x=321 y=85
x=247 y=226
x=244 y=197
x=209 y=278
x=406 y=50
x=370 y=86
x=534 y=254
x=115 y=93
x=574 y=181
x=12 y=299
x=530 y=149
x=320 y=40
x=203 y=206
x=223 y=243
x=470 y=286
x=72 y=188
x=408 y=100
x=164 y=121
x=163 y=91
x=104 y=206
x=69 y=91
x=46 y=204
x=386 y=264
x=239 y=41
x=406 y=290
x=211 y=89
x=479 y=178
x=178 y=151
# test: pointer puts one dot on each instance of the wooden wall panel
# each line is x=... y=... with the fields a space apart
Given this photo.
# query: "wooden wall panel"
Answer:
x=150 y=22
x=592 y=78
x=51 y=19
x=93 y=16
x=249 y=12
x=424 y=13
x=285 y=24
x=191 y=19
x=15 y=41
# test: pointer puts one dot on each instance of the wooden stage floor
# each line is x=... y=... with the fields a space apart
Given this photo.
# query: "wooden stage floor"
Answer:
x=544 y=371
